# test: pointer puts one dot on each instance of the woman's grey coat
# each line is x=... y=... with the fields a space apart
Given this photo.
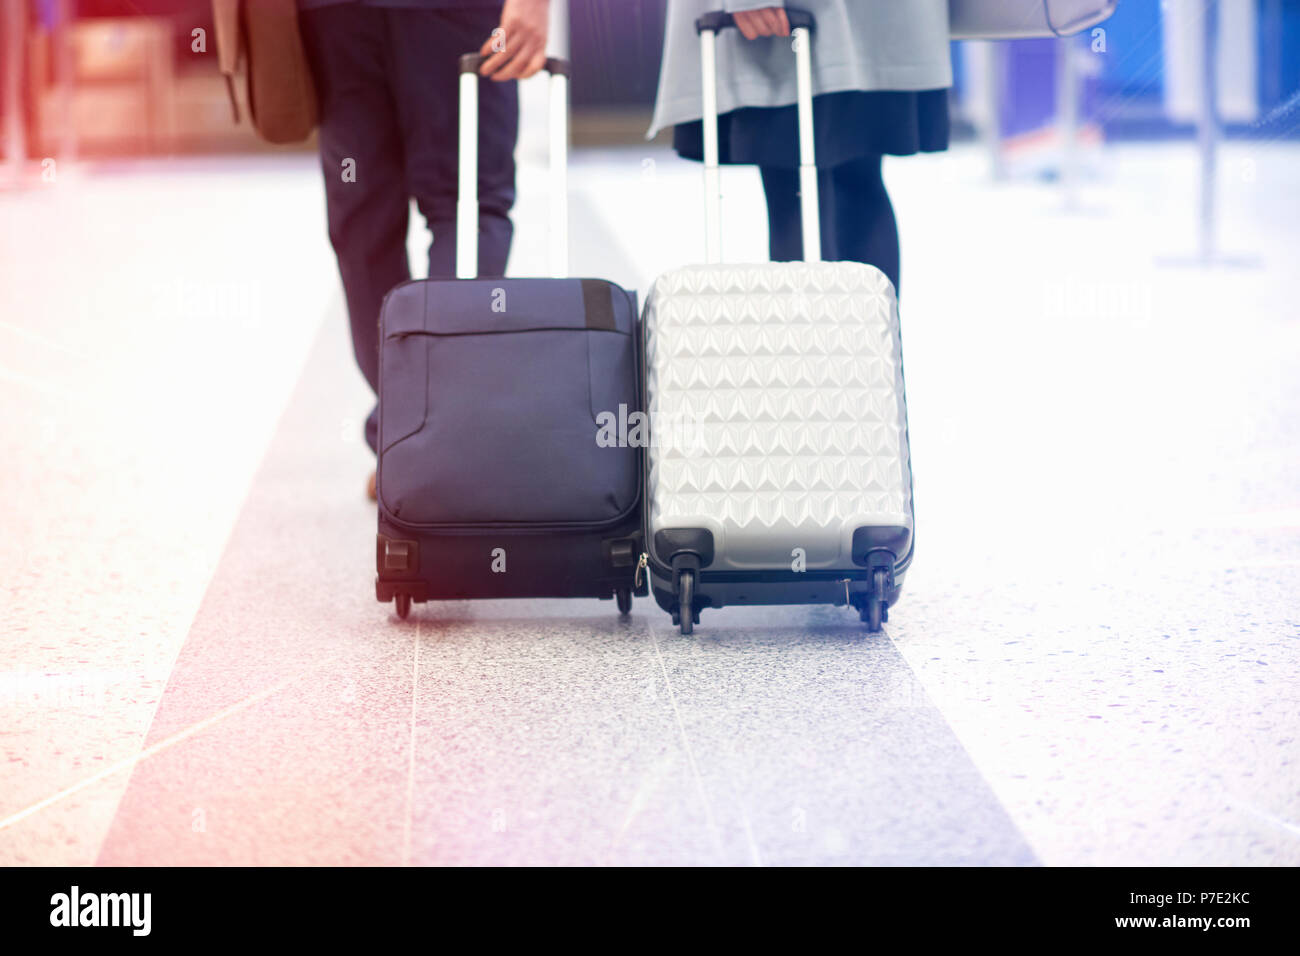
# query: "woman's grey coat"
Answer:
x=856 y=45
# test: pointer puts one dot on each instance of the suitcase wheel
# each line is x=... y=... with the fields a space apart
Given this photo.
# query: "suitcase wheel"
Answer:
x=686 y=601
x=871 y=614
x=875 y=609
x=624 y=598
x=403 y=605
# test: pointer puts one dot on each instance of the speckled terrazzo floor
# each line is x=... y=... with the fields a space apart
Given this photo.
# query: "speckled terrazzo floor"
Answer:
x=1095 y=661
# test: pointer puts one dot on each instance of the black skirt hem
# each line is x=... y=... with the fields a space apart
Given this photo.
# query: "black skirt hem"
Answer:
x=847 y=126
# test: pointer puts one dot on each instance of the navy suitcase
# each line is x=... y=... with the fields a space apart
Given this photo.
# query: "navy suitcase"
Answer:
x=502 y=471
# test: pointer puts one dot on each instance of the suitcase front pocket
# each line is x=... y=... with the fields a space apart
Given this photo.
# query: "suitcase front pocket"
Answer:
x=509 y=430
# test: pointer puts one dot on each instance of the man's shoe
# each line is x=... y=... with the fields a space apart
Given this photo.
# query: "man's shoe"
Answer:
x=370 y=488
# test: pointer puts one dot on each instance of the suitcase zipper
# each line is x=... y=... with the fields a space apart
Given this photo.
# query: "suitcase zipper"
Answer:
x=640 y=570
x=487 y=527
x=404 y=334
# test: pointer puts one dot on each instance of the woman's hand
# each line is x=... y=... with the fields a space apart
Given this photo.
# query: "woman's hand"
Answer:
x=764 y=22
x=517 y=49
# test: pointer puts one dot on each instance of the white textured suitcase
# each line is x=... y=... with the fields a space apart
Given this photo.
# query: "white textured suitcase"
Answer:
x=778 y=469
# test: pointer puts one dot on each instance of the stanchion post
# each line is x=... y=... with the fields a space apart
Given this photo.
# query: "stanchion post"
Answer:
x=13 y=24
x=1207 y=129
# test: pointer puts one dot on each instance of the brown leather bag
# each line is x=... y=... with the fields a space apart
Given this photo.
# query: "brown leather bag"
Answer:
x=281 y=96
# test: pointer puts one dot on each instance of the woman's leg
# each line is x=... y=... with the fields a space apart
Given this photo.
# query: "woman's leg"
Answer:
x=866 y=230
x=784 y=222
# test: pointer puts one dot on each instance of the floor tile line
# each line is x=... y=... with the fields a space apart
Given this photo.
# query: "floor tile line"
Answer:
x=686 y=743
x=43 y=340
x=649 y=782
x=1278 y=822
x=128 y=763
x=43 y=388
x=755 y=857
x=410 y=769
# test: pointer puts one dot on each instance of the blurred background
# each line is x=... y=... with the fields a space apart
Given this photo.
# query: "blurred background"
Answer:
x=97 y=78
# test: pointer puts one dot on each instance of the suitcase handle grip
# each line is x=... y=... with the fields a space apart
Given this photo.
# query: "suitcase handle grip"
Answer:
x=467 y=190
x=555 y=65
x=801 y=26
x=716 y=20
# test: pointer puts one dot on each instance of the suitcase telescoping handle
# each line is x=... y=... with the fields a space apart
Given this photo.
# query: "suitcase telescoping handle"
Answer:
x=467 y=198
x=801 y=25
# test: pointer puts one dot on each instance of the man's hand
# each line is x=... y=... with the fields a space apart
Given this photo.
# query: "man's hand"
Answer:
x=517 y=49
x=764 y=22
